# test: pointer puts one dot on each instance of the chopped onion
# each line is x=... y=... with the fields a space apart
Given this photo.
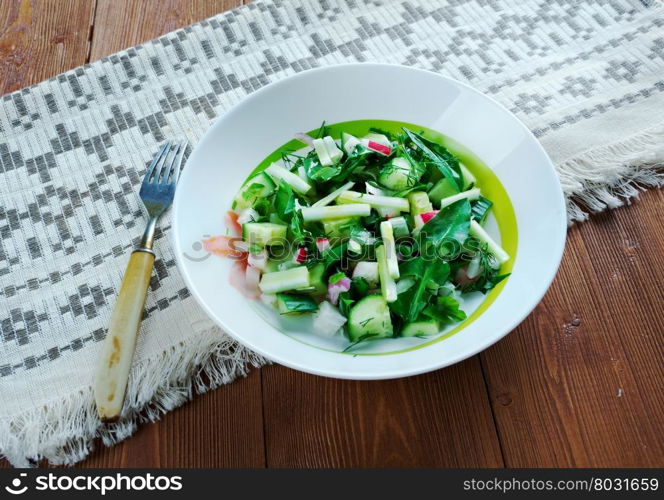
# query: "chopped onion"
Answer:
x=335 y=289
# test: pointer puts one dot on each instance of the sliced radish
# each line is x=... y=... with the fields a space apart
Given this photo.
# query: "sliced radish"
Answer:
x=322 y=244
x=231 y=222
x=301 y=255
x=427 y=216
x=379 y=148
x=224 y=246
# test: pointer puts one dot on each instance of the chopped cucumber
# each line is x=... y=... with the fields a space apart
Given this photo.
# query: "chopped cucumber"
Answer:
x=478 y=232
x=398 y=174
x=374 y=201
x=350 y=142
x=336 y=212
x=369 y=318
x=260 y=186
x=388 y=287
x=277 y=172
x=339 y=228
x=399 y=227
x=468 y=178
x=424 y=327
x=390 y=249
x=471 y=194
x=367 y=271
x=317 y=279
x=295 y=303
x=419 y=203
x=264 y=233
x=442 y=189
x=281 y=281
x=354 y=247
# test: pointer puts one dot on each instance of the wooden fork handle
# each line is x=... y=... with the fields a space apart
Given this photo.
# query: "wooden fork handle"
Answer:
x=119 y=345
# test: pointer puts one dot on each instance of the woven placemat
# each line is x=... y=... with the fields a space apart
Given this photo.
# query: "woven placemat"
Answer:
x=586 y=77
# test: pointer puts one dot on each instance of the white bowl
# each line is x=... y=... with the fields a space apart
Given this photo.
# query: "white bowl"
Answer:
x=242 y=138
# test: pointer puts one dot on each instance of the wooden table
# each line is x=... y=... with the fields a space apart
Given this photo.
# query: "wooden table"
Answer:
x=578 y=384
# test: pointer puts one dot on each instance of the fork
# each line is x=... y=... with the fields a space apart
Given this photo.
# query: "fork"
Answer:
x=117 y=353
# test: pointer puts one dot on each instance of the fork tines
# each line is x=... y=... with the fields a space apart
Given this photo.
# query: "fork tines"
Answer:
x=165 y=167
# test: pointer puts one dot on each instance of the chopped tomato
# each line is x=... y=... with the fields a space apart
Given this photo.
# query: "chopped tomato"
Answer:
x=223 y=245
x=231 y=222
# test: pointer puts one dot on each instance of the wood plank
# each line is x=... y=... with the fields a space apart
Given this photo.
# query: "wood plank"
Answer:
x=580 y=382
x=222 y=428
x=38 y=39
x=41 y=38
x=149 y=19
x=440 y=419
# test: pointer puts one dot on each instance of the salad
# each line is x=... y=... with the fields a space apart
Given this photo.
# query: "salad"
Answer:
x=375 y=237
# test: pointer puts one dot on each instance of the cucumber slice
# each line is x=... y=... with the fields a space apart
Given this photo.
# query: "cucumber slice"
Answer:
x=264 y=233
x=424 y=327
x=388 y=286
x=471 y=194
x=278 y=172
x=339 y=228
x=295 y=303
x=398 y=175
x=419 y=203
x=259 y=186
x=390 y=249
x=350 y=142
x=354 y=247
x=317 y=279
x=281 y=281
x=468 y=177
x=399 y=227
x=336 y=212
x=370 y=317
x=374 y=201
x=442 y=189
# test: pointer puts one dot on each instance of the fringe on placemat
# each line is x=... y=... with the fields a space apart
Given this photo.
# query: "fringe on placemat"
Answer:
x=609 y=176
x=63 y=431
